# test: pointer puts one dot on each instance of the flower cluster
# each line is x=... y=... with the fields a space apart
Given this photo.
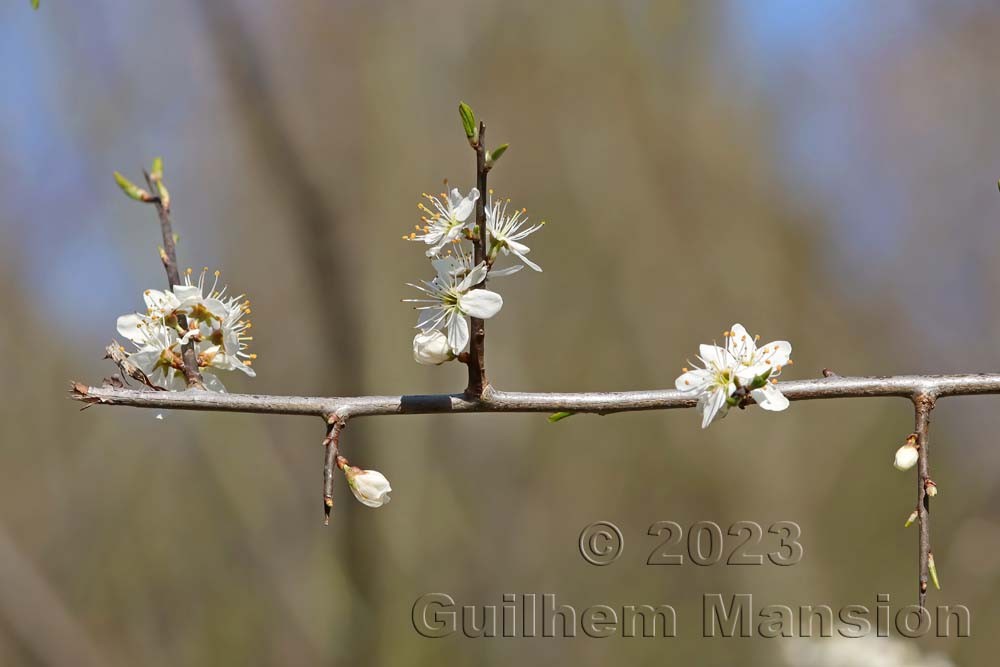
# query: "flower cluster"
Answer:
x=215 y=323
x=454 y=293
x=736 y=373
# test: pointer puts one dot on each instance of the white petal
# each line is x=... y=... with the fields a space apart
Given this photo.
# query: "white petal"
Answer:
x=711 y=404
x=716 y=355
x=464 y=208
x=474 y=277
x=741 y=344
x=693 y=380
x=770 y=398
x=480 y=303
x=526 y=260
x=128 y=326
x=500 y=273
x=777 y=352
x=145 y=360
x=187 y=294
x=458 y=332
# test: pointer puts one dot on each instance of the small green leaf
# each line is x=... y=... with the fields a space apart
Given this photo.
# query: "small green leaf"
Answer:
x=131 y=190
x=910 y=519
x=933 y=571
x=495 y=154
x=468 y=121
x=559 y=416
x=156 y=173
x=34 y=4
x=760 y=380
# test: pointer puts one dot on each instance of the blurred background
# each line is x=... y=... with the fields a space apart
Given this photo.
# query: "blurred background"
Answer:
x=823 y=172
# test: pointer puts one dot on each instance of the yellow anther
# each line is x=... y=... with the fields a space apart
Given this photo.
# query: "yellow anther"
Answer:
x=253 y=356
x=756 y=338
x=218 y=273
x=416 y=227
x=684 y=370
x=790 y=362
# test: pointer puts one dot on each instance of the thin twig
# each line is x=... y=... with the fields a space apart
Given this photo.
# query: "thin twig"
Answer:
x=923 y=405
x=331 y=445
x=188 y=354
x=493 y=400
x=477 y=339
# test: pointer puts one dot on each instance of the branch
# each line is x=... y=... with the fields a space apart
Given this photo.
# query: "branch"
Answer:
x=906 y=386
x=477 y=339
x=169 y=256
x=923 y=405
x=331 y=445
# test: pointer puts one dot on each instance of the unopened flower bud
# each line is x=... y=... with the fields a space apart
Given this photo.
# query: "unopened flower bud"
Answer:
x=907 y=455
x=930 y=488
x=431 y=349
x=368 y=486
x=910 y=519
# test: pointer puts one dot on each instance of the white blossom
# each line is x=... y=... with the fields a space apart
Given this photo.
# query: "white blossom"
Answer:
x=448 y=300
x=431 y=348
x=446 y=220
x=765 y=362
x=507 y=230
x=741 y=365
x=713 y=384
x=215 y=324
x=368 y=486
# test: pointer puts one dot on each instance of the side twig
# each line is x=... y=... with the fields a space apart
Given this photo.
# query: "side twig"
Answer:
x=477 y=341
x=169 y=256
x=331 y=445
x=923 y=404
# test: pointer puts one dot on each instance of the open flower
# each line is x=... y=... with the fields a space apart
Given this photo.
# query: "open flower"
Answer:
x=759 y=366
x=446 y=220
x=739 y=368
x=450 y=299
x=158 y=353
x=370 y=487
x=216 y=325
x=507 y=230
x=713 y=384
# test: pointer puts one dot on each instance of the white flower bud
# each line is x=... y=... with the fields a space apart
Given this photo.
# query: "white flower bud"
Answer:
x=431 y=349
x=368 y=486
x=906 y=456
